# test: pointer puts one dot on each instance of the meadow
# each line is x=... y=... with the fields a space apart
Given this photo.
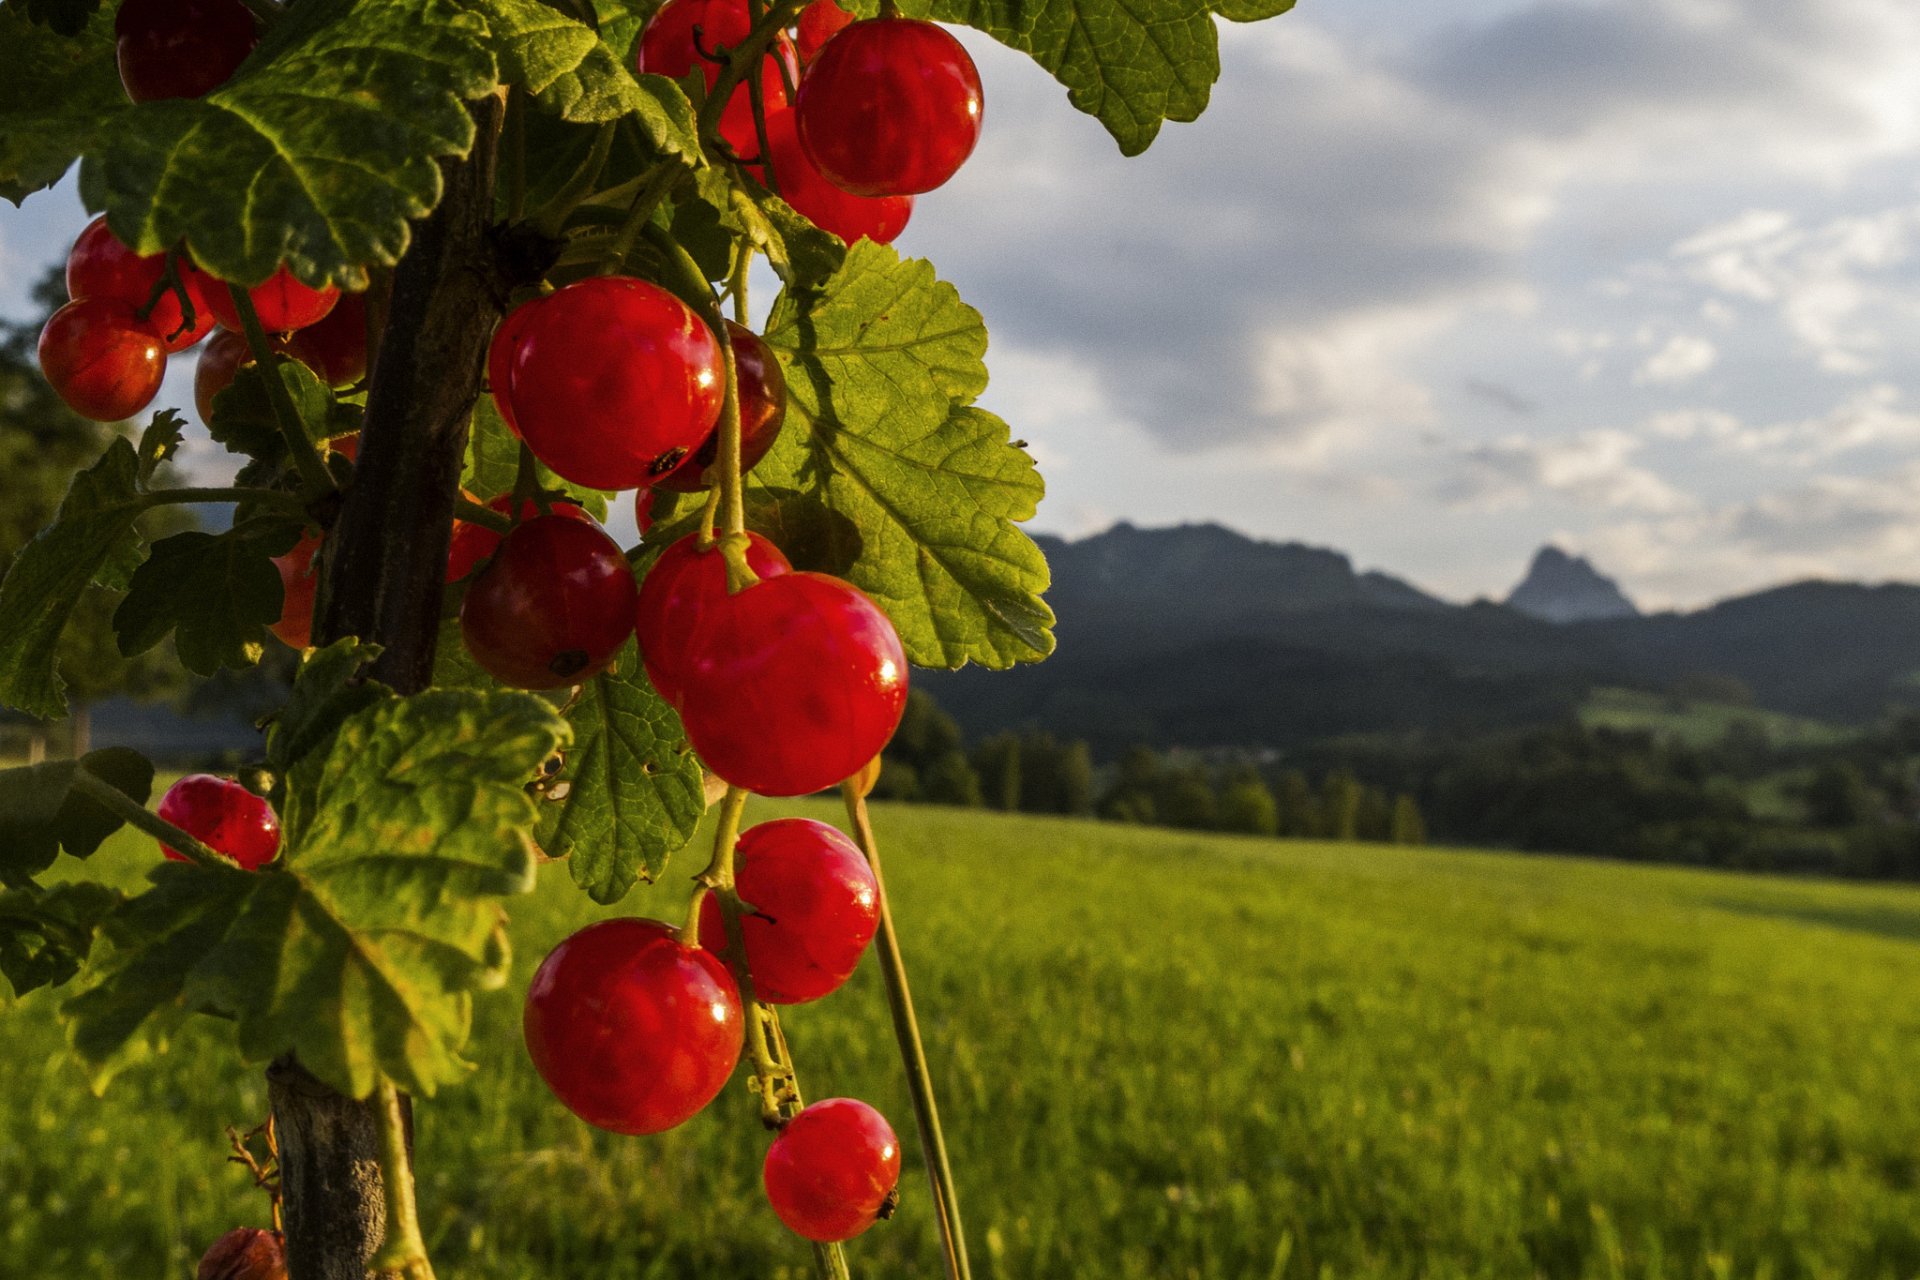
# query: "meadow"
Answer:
x=1161 y=1055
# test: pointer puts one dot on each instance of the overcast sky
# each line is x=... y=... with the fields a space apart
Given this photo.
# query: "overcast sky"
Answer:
x=1434 y=284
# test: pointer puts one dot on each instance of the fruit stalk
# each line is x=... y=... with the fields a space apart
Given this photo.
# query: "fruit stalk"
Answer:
x=404 y=1251
x=913 y=1054
x=139 y=817
x=314 y=476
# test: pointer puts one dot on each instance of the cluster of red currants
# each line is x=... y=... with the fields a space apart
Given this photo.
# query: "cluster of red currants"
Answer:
x=860 y=117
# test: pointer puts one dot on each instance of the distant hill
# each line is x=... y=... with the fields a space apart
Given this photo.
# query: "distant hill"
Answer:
x=1200 y=636
x=1566 y=588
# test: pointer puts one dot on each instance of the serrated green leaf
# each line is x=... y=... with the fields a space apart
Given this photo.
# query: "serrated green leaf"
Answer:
x=91 y=537
x=630 y=793
x=493 y=463
x=570 y=72
x=47 y=934
x=621 y=22
x=244 y=421
x=1251 y=10
x=331 y=686
x=58 y=93
x=332 y=129
x=159 y=443
x=217 y=593
x=41 y=814
x=361 y=951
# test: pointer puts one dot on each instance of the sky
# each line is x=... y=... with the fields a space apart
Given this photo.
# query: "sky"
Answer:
x=1436 y=284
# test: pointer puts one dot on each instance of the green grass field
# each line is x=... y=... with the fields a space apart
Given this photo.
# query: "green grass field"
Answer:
x=1167 y=1056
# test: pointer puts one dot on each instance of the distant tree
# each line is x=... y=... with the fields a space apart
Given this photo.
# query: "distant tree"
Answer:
x=1299 y=810
x=42 y=443
x=951 y=780
x=1409 y=827
x=926 y=731
x=1340 y=794
x=1838 y=795
x=1373 y=818
x=997 y=761
x=1131 y=797
x=898 y=780
x=1712 y=686
x=1076 y=779
x=1247 y=804
x=1185 y=798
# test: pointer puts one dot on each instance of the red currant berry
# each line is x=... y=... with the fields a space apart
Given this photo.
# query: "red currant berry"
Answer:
x=763 y=407
x=610 y=381
x=633 y=1030
x=224 y=816
x=283 y=303
x=221 y=360
x=832 y=1171
x=820 y=22
x=335 y=346
x=103 y=359
x=299 y=582
x=668 y=48
x=245 y=1254
x=684 y=586
x=792 y=685
x=180 y=48
x=508 y=337
x=814 y=905
x=553 y=606
x=643 y=509
x=803 y=186
x=474 y=543
x=99 y=266
x=891 y=107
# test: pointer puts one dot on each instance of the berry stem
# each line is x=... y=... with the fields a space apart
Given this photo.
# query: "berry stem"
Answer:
x=551 y=218
x=138 y=816
x=170 y=282
x=659 y=185
x=314 y=476
x=403 y=1251
x=277 y=499
x=913 y=1054
x=526 y=486
x=475 y=513
x=756 y=98
x=741 y=59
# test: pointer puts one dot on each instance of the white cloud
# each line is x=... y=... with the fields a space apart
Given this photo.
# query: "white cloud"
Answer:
x=1682 y=359
x=1593 y=469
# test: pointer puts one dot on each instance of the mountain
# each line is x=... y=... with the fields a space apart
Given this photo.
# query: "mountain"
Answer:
x=1563 y=588
x=1199 y=636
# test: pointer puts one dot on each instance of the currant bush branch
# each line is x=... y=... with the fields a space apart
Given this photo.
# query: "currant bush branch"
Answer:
x=741 y=60
x=139 y=817
x=314 y=476
x=478 y=513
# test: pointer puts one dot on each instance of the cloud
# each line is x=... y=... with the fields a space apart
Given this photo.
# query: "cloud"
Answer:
x=1682 y=359
x=1593 y=469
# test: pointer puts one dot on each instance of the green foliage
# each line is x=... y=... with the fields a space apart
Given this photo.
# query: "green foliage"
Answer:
x=1248 y=807
x=573 y=74
x=884 y=474
x=41 y=814
x=47 y=934
x=56 y=97
x=630 y=790
x=333 y=128
x=216 y=593
x=243 y=415
x=67 y=17
x=362 y=949
x=493 y=461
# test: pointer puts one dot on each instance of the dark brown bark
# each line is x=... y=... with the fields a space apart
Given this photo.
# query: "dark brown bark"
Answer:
x=385 y=558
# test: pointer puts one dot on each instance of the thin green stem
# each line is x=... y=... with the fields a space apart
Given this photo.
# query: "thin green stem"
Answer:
x=718 y=873
x=913 y=1054
x=741 y=59
x=659 y=185
x=171 y=283
x=526 y=485
x=279 y=499
x=314 y=475
x=403 y=1251
x=756 y=95
x=737 y=282
x=138 y=816
x=552 y=216
x=478 y=513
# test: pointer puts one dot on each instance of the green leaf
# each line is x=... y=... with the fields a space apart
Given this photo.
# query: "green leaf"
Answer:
x=493 y=462
x=58 y=93
x=216 y=592
x=91 y=537
x=41 y=814
x=621 y=22
x=1130 y=63
x=332 y=130
x=1251 y=10
x=331 y=686
x=243 y=417
x=47 y=934
x=360 y=953
x=159 y=443
x=630 y=791
x=711 y=212
x=68 y=17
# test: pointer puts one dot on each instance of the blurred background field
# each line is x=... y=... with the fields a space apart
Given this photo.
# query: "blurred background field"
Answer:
x=1165 y=1055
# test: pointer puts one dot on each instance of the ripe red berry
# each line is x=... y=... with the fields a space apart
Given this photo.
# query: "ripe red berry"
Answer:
x=802 y=185
x=792 y=685
x=763 y=407
x=610 y=381
x=221 y=360
x=832 y=1172
x=299 y=582
x=474 y=543
x=245 y=1254
x=103 y=359
x=552 y=607
x=99 y=266
x=668 y=48
x=677 y=595
x=224 y=816
x=814 y=907
x=335 y=346
x=633 y=1031
x=890 y=107
x=643 y=509
x=281 y=301
x=180 y=48
x=819 y=22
